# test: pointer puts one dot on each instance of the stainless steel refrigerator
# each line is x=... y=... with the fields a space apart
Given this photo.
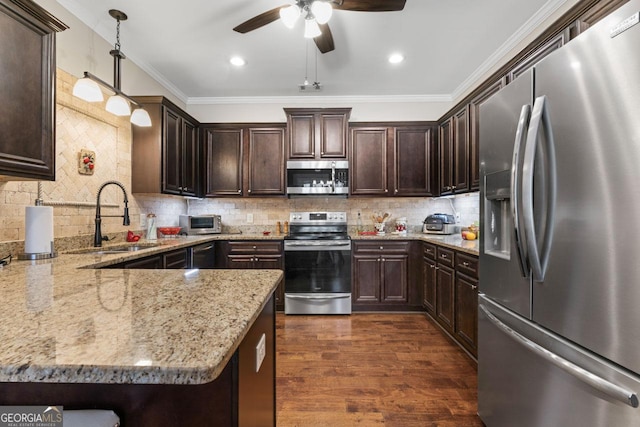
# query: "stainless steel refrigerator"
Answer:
x=559 y=309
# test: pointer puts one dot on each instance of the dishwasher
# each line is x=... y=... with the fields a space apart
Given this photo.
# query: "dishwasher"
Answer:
x=203 y=255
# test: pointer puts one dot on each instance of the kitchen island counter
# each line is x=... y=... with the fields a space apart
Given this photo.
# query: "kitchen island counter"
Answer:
x=124 y=326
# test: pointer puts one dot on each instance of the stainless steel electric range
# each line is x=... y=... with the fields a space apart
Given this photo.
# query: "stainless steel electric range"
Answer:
x=317 y=259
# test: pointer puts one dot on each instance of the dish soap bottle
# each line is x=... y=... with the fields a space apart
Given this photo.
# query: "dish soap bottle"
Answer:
x=359 y=227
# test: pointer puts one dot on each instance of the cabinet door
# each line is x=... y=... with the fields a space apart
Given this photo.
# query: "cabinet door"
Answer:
x=268 y=262
x=176 y=260
x=266 y=162
x=461 y=151
x=366 y=279
x=301 y=135
x=415 y=167
x=223 y=149
x=369 y=161
x=333 y=135
x=395 y=278
x=151 y=262
x=190 y=159
x=466 y=326
x=446 y=157
x=27 y=91
x=429 y=284
x=242 y=262
x=474 y=141
x=445 y=297
x=173 y=152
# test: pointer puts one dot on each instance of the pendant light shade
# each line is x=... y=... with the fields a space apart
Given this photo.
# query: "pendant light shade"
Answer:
x=311 y=28
x=289 y=15
x=322 y=10
x=140 y=117
x=118 y=105
x=87 y=89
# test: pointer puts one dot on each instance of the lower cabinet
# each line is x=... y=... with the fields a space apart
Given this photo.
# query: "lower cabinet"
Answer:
x=380 y=274
x=450 y=292
x=256 y=254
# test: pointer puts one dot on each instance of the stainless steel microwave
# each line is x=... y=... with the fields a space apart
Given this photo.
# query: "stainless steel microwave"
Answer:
x=323 y=177
x=201 y=224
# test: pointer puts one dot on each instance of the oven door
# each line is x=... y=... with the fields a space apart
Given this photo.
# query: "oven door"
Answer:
x=317 y=276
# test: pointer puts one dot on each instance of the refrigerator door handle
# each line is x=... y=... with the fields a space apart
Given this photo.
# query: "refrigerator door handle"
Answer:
x=613 y=390
x=539 y=256
x=516 y=188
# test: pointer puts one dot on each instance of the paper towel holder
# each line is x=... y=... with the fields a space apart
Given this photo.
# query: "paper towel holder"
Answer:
x=43 y=255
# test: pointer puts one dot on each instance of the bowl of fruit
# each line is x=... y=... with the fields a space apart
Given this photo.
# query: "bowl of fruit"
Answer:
x=169 y=231
x=470 y=232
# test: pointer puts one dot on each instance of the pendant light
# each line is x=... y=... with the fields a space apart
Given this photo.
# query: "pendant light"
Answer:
x=88 y=87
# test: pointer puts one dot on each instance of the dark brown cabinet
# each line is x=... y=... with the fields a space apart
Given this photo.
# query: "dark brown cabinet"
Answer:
x=317 y=133
x=27 y=90
x=429 y=278
x=244 y=160
x=256 y=254
x=394 y=160
x=454 y=153
x=380 y=274
x=150 y=262
x=466 y=329
x=165 y=156
x=445 y=289
x=178 y=259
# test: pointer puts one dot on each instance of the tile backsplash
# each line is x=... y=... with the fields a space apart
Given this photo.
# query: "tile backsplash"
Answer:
x=81 y=125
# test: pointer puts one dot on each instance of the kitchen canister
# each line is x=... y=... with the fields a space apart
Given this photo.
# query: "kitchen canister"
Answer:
x=152 y=232
x=401 y=225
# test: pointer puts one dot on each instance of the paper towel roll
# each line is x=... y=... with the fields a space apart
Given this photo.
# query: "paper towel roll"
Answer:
x=38 y=237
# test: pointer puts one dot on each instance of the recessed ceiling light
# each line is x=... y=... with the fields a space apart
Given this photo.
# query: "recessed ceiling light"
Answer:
x=396 y=58
x=237 y=61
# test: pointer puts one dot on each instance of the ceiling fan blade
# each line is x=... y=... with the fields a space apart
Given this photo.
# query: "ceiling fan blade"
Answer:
x=260 y=20
x=370 y=5
x=325 y=40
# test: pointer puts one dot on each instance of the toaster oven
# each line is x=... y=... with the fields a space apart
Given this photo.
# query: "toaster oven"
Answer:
x=201 y=224
x=439 y=224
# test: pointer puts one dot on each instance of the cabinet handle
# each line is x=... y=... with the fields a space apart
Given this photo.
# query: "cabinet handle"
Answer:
x=381 y=248
x=254 y=248
x=395 y=191
x=379 y=259
x=383 y=260
x=322 y=153
x=443 y=256
x=437 y=268
x=453 y=187
x=474 y=287
x=239 y=191
x=249 y=191
x=313 y=153
x=465 y=263
x=386 y=190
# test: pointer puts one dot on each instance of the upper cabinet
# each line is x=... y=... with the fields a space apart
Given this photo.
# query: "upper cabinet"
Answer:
x=27 y=90
x=244 y=160
x=454 y=153
x=165 y=157
x=317 y=133
x=393 y=160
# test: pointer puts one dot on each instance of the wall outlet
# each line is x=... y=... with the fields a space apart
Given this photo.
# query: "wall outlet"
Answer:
x=261 y=351
x=458 y=217
x=249 y=218
x=143 y=220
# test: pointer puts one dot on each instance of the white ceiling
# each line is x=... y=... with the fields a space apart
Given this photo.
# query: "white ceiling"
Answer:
x=186 y=45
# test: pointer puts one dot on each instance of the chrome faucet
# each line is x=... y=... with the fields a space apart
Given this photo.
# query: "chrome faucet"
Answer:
x=97 y=238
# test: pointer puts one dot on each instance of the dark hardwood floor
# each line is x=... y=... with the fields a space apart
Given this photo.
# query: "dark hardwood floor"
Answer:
x=371 y=370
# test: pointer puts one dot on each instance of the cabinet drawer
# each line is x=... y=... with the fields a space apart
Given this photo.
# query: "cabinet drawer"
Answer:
x=467 y=264
x=445 y=256
x=429 y=250
x=255 y=247
x=381 y=246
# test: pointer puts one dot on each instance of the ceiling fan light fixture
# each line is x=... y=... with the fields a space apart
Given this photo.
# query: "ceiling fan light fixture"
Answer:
x=289 y=15
x=118 y=105
x=322 y=11
x=311 y=28
x=88 y=90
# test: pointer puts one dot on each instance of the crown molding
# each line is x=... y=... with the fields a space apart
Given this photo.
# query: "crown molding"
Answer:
x=305 y=99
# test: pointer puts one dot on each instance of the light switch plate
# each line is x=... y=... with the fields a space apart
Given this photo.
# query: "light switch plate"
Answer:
x=261 y=351
x=143 y=220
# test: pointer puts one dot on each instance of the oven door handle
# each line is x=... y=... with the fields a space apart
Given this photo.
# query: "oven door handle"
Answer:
x=317 y=297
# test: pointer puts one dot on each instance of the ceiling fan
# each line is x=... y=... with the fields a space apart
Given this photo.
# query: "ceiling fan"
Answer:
x=316 y=27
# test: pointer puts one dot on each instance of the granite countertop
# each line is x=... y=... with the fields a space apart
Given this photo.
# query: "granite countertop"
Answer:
x=453 y=241
x=64 y=320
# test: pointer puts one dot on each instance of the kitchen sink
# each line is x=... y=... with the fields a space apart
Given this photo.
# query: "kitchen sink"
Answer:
x=121 y=249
